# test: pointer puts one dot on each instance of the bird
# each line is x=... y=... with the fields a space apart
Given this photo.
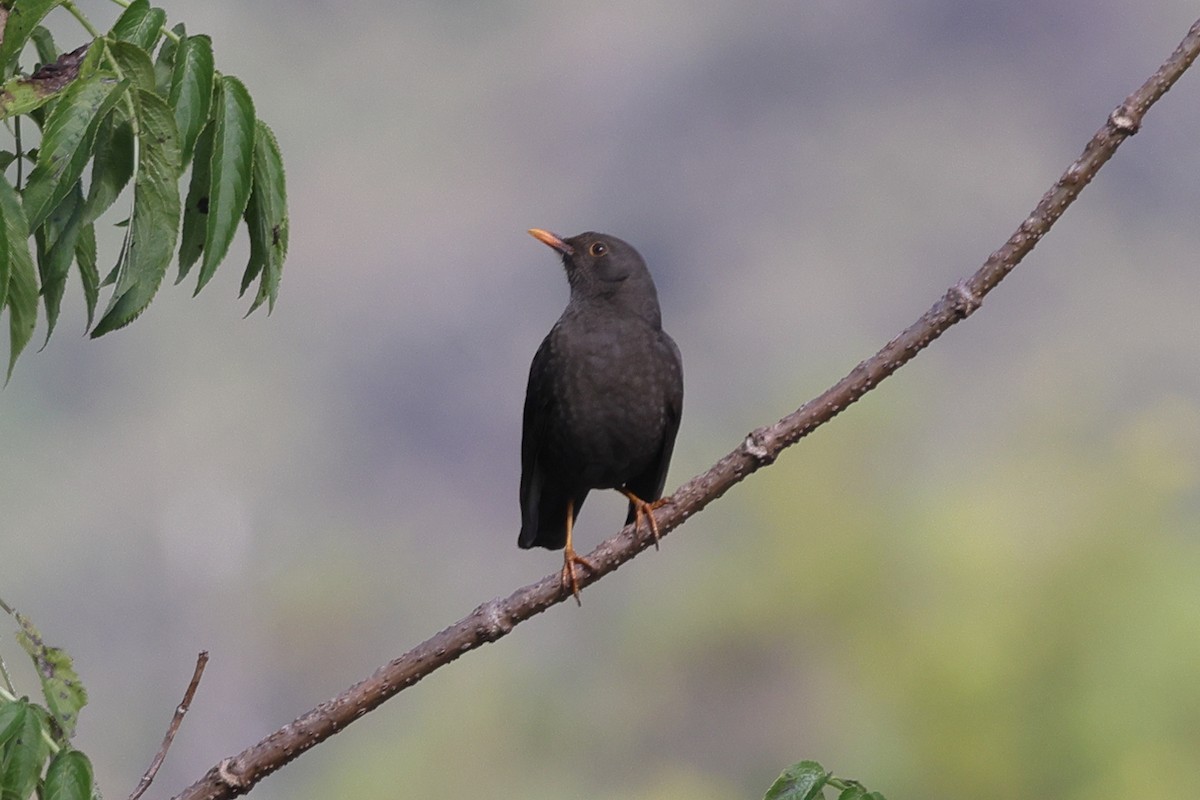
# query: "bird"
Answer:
x=603 y=401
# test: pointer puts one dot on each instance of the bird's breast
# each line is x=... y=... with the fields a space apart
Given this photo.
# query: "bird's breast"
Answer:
x=612 y=383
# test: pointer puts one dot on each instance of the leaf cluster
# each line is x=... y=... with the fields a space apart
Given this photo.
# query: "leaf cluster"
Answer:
x=136 y=107
x=808 y=780
x=35 y=747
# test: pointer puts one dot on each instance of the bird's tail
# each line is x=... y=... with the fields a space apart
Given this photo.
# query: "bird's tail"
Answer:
x=546 y=524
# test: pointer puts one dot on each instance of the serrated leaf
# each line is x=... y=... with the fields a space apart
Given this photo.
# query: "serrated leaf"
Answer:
x=134 y=63
x=21 y=299
x=89 y=275
x=43 y=42
x=803 y=781
x=266 y=219
x=230 y=169
x=164 y=62
x=150 y=238
x=191 y=91
x=195 y=209
x=56 y=221
x=23 y=17
x=5 y=259
x=112 y=163
x=67 y=142
x=139 y=24
x=12 y=716
x=61 y=686
x=24 y=756
x=69 y=777
x=56 y=251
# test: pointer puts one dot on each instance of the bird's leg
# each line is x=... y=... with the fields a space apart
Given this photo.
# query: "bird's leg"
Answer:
x=571 y=558
x=642 y=508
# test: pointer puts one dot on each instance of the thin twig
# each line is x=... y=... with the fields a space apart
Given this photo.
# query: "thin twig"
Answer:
x=492 y=620
x=173 y=728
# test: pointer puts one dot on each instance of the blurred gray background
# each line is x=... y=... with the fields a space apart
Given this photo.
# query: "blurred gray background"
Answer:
x=980 y=581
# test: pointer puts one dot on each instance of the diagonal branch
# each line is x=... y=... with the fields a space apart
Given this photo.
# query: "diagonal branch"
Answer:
x=494 y=619
x=173 y=728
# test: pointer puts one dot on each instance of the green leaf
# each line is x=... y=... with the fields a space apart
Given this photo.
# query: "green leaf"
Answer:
x=23 y=17
x=21 y=299
x=164 y=63
x=56 y=250
x=12 y=717
x=803 y=781
x=134 y=62
x=89 y=275
x=24 y=755
x=191 y=91
x=853 y=792
x=195 y=209
x=6 y=261
x=43 y=42
x=61 y=686
x=230 y=168
x=112 y=163
x=150 y=238
x=140 y=24
x=67 y=141
x=69 y=777
x=94 y=58
x=266 y=219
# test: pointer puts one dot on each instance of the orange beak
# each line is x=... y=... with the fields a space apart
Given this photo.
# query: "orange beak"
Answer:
x=548 y=238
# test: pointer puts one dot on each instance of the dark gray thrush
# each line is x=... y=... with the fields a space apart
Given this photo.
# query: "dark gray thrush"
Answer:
x=604 y=398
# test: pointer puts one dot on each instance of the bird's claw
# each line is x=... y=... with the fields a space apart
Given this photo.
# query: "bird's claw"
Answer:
x=569 y=580
x=643 y=509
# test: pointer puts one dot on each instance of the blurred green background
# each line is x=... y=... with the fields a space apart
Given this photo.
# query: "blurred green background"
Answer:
x=981 y=581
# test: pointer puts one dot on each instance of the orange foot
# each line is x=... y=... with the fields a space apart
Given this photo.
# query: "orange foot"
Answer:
x=569 y=580
x=643 y=509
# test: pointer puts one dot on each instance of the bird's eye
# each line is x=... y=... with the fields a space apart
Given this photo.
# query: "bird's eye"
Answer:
x=598 y=249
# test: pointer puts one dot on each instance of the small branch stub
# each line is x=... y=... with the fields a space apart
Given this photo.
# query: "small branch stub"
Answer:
x=1123 y=121
x=756 y=447
x=228 y=776
x=173 y=728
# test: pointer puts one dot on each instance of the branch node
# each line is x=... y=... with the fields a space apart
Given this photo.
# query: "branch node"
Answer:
x=1123 y=121
x=493 y=622
x=964 y=300
x=228 y=776
x=756 y=447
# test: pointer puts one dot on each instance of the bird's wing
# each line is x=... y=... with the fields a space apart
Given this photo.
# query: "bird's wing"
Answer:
x=537 y=411
x=649 y=485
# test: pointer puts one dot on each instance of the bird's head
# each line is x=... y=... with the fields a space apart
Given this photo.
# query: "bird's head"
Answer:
x=604 y=269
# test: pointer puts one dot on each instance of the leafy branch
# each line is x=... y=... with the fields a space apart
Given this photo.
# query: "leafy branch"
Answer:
x=238 y=774
x=136 y=106
x=32 y=734
x=808 y=780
